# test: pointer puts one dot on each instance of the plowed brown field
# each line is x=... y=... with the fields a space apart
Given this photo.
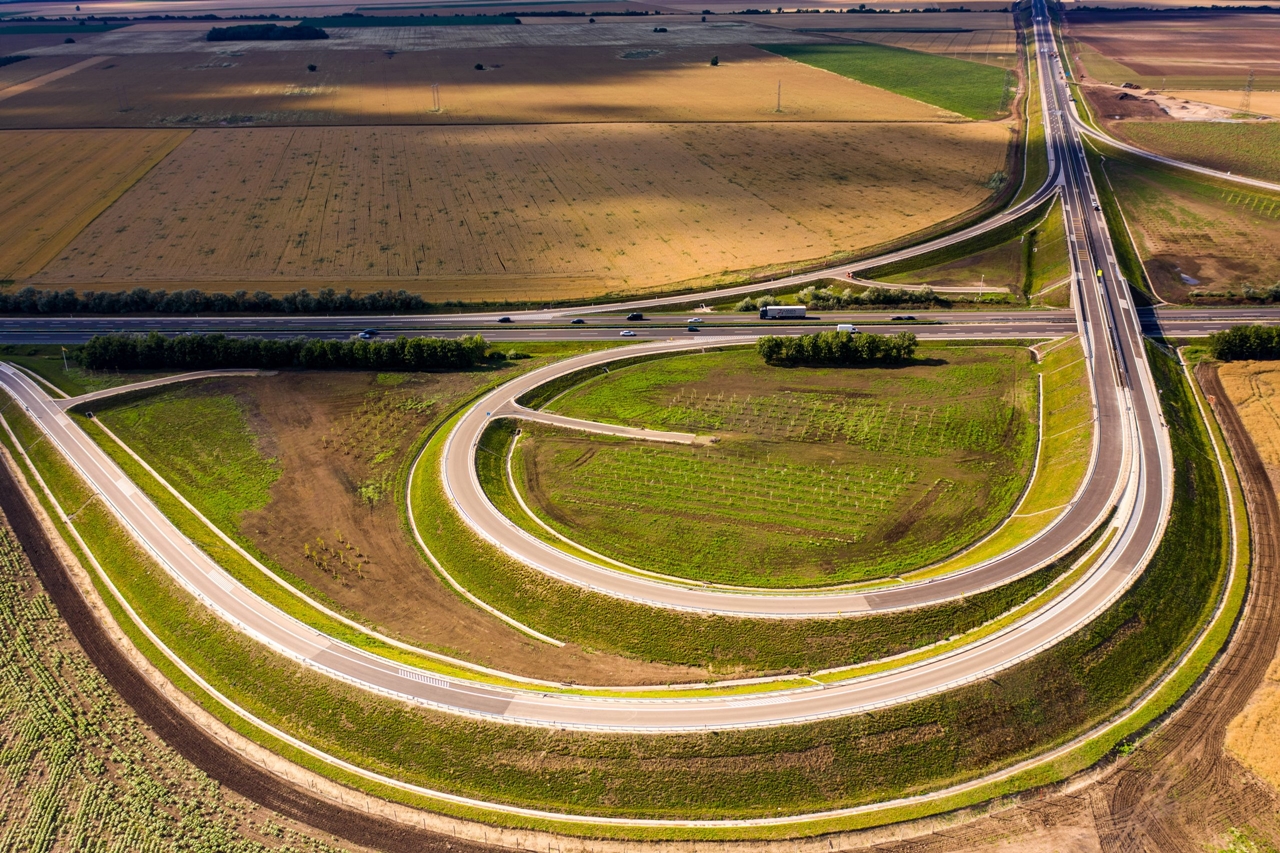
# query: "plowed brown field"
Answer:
x=526 y=211
x=52 y=184
x=518 y=85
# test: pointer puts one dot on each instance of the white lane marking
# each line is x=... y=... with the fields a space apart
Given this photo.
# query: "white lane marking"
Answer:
x=126 y=486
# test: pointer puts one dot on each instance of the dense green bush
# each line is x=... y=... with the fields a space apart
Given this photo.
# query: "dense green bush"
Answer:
x=1240 y=342
x=203 y=352
x=828 y=299
x=836 y=348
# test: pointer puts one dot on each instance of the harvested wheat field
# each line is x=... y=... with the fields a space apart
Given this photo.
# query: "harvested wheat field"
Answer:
x=53 y=184
x=1254 y=736
x=1265 y=102
x=518 y=85
x=491 y=212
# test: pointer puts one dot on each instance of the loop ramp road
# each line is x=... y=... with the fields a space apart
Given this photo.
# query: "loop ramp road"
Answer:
x=1133 y=458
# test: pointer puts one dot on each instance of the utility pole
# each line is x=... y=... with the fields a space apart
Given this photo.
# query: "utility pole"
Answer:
x=778 y=109
x=435 y=97
x=1247 y=100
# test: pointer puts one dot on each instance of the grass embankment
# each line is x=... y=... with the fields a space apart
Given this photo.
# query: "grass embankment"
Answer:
x=820 y=476
x=1251 y=149
x=1063 y=458
x=807 y=767
x=1036 y=170
x=1025 y=264
x=971 y=89
x=1009 y=231
x=1126 y=253
x=46 y=361
x=1048 y=278
x=78 y=770
x=1197 y=237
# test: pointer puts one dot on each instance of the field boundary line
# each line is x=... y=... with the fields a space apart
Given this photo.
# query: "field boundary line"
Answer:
x=62 y=238
x=36 y=82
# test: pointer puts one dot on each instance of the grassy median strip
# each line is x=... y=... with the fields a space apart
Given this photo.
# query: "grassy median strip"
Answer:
x=832 y=764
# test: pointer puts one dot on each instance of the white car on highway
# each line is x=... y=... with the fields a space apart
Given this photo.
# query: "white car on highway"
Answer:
x=627 y=333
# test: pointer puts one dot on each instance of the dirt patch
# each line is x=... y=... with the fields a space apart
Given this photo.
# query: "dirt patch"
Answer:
x=326 y=434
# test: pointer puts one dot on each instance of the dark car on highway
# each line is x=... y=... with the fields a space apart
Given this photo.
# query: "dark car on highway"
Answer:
x=505 y=320
x=635 y=315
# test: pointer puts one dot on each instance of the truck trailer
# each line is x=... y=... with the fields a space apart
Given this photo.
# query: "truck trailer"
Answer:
x=782 y=312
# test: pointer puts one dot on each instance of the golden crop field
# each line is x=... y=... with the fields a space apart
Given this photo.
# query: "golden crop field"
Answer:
x=1264 y=102
x=525 y=211
x=518 y=85
x=54 y=183
x=1253 y=387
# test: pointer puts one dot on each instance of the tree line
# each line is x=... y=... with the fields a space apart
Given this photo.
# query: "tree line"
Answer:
x=142 y=300
x=266 y=32
x=836 y=348
x=207 y=352
x=1246 y=342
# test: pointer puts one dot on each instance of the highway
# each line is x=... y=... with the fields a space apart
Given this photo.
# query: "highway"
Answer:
x=556 y=325
x=1133 y=468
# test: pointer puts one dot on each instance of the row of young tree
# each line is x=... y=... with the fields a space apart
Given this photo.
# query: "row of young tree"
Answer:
x=1246 y=342
x=830 y=299
x=836 y=348
x=142 y=300
x=209 y=352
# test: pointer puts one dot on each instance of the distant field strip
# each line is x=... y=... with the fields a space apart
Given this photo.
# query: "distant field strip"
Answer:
x=54 y=183
x=971 y=89
x=37 y=82
x=990 y=47
x=527 y=85
x=517 y=211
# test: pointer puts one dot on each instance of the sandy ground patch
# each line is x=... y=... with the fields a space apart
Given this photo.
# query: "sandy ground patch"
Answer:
x=54 y=183
x=631 y=206
x=518 y=85
x=1266 y=103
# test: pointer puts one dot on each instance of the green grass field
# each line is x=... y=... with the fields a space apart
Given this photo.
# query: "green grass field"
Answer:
x=1251 y=149
x=971 y=89
x=819 y=476
x=825 y=765
x=203 y=442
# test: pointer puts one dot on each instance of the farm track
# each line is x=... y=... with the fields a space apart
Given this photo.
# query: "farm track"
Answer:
x=169 y=723
x=1182 y=781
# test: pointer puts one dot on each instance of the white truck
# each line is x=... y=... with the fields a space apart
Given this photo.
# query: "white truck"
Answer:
x=782 y=312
